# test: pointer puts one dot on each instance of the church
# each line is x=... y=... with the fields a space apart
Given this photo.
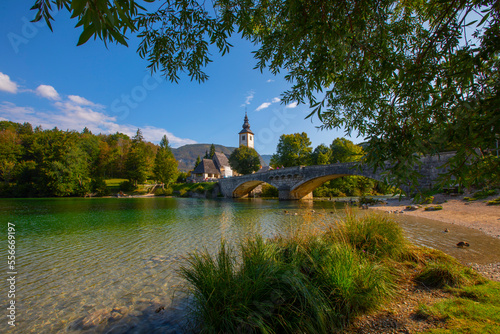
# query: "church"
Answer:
x=218 y=167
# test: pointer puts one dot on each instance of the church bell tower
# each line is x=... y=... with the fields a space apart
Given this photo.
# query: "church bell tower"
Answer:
x=246 y=135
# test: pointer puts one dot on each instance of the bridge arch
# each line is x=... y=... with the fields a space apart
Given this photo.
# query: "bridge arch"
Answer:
x=244 y=188
x=305 y=188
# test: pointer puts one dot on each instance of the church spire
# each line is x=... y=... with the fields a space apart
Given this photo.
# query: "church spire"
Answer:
x=246 y=135
x=246 y=125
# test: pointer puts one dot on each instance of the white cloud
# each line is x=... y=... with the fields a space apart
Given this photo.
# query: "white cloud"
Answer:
x=263 y=106
x=48 y=92
x=276 y=100
x=269 y=80
x=71 y=115
x=292 y=105
x=249 y=98
x=80 y=100
x=6 y=84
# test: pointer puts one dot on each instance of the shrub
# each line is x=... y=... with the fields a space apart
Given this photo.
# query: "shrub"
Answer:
x=200 y=189
x=269 y=191
x=482 y=194
x=164 y=191
x=127 y=186
x=99 y=187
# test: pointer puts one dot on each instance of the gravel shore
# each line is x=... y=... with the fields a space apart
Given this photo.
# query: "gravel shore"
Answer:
x=476 y=215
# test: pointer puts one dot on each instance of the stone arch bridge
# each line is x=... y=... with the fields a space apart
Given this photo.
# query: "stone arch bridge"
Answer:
x=296 y=183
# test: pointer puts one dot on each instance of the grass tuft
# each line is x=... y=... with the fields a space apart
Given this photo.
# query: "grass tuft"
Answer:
x=374 y=234
x=318 y=283
x=448 y=274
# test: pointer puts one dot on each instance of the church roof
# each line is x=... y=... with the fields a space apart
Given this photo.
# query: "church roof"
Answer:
x=206 y=166
x=220 y=160
x=246 y=126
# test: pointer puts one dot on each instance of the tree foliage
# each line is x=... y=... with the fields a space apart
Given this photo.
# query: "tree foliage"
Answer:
x=344 y=150
x=321 y=155
x=292 y=150
x=35 y=163
x=197 y=162
x=244 y=160
x=212 y=151
x=410 y=77
x=165 y=166
x=139 y=160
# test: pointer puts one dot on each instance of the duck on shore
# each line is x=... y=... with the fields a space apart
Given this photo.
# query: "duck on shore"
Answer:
x=463 y=244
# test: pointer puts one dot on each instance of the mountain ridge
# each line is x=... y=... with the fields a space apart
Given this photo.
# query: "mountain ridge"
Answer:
x=186 y=155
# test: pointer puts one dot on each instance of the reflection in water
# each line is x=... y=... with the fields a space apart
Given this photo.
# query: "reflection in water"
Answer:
x=110 y=264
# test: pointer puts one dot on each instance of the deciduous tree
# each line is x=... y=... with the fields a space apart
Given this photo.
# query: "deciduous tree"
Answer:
x=344 y=150
x=292 y=150
x=244 y=160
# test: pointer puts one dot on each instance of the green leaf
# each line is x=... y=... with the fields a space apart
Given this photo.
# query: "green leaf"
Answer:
x=86 y=34
x=78 y=6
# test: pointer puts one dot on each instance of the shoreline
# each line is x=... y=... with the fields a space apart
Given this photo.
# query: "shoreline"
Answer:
x=476 y=215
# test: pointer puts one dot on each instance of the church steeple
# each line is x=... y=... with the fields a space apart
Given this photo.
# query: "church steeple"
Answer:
x=246 y=135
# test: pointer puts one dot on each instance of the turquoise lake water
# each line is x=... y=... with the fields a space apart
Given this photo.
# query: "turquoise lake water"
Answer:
x=107 y=265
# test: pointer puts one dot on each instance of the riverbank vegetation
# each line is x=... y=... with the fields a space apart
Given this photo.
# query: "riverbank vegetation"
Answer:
x=56 y=163
x=318 y=282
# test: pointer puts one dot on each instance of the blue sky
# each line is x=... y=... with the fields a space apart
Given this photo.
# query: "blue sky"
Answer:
x=45 y=79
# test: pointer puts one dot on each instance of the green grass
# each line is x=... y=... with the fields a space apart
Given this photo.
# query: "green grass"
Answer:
x=495 y=201
x=440 y=274
x=114 y=183
x=434 y=208
x=376 y=235
x=318 y=282
x=312 y=283
x=182 y=189
x=482 y=194
x=473 y=309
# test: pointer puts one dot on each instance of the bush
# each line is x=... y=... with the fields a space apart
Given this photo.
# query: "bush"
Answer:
x=99 y=187
x=269 y=191
x=200 y=189
x=164 y=191
x=127 y=186
x=482 y=194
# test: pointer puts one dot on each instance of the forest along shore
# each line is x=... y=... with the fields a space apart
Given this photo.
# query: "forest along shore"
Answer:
x=477 y=215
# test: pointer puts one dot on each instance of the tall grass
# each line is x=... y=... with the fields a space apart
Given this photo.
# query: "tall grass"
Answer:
x=262 y=295
x=376 y=235
x=312 y=282
x=304 y=283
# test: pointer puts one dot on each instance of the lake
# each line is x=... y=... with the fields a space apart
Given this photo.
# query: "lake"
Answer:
x=81 y=261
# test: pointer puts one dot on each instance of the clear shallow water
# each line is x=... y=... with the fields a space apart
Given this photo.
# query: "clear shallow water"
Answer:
x=106 y=265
